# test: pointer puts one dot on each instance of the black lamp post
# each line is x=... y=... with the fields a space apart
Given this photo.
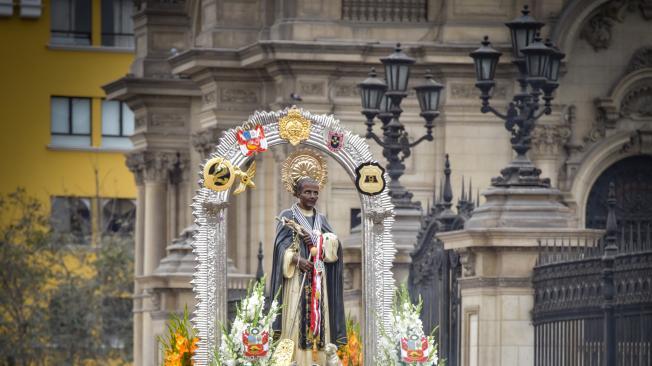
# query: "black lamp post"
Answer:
x=383 y=100
x=538 y=65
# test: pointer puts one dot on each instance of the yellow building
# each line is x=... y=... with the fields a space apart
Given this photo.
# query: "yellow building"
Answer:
x=59 y=138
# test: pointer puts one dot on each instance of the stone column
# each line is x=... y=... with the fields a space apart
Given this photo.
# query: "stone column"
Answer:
x=136 y=164
x=156 y=179
x=498 y=249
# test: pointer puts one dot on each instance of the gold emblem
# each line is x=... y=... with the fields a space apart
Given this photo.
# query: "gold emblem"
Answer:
x=304 y=163
x=246 y=178
x=294 y=127
x=218 y=174
x=370 y=178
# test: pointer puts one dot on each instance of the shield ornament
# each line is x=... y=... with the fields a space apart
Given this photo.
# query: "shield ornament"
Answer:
x=370 y=178
x=335 y=141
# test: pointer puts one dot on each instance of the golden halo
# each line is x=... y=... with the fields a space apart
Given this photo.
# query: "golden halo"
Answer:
x=303 y=163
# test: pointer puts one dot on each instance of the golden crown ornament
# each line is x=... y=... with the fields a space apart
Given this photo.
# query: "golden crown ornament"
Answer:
x=294 y=127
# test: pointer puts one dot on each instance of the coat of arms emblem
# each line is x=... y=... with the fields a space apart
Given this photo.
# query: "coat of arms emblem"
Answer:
x=335 y=141
x=414 y=349
x=255 y=342
x=252 y=141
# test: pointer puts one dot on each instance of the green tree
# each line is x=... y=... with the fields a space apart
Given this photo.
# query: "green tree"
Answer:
x=62 y=304
x=27 y=260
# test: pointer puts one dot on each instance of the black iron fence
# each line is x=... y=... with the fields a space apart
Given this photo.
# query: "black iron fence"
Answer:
x=435 y=271
x=593 y=299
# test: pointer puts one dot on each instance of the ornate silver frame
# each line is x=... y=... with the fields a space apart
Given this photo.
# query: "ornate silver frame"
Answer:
x=209 y=209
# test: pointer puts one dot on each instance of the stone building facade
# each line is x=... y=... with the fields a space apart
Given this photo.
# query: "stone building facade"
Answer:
x=203 y=66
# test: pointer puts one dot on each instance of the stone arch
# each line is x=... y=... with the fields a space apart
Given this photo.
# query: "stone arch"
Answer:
x=620 y=130
x=633 y=182
x=624 y=94
x=599 y=157
x=210 y=210
x=572 y=18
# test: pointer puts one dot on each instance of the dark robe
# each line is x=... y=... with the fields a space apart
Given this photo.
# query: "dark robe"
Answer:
x=333 y=280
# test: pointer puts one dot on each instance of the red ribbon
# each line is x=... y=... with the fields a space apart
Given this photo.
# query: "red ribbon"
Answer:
x=315 y=303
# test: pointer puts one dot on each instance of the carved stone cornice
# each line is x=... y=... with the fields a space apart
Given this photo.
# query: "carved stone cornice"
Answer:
x=597 y=31
x=131 y=86
x=494 y=282
x=549 y=139
x=204 y=141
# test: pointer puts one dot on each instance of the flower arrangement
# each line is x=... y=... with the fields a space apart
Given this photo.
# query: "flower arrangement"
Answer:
x=351 y=353
x=180 y=343
x=249 y=343
x=404 y=342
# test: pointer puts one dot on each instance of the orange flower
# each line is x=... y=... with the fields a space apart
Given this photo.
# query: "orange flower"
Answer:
x=182 y=344
x=194 y=345
x=172 y=359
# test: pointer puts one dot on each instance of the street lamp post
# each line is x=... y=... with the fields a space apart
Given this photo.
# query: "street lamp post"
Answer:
x=383 y=99
x=538 y=65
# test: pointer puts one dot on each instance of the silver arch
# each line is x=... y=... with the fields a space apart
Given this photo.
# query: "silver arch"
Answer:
x=209 y=209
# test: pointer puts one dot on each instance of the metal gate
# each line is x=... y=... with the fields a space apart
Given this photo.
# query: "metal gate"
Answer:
x=434 y=272
x=593 y=298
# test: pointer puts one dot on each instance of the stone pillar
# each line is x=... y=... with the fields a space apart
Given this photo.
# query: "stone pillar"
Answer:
x=136 y=164
x=498 y=249
x=156 y=175
x=407 y=223
x=548 y=142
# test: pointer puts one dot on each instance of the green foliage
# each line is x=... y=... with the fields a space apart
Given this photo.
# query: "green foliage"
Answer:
x=26 y=261
x=61 y=304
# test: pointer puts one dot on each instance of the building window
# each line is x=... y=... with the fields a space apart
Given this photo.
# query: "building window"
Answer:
x=117 y=25
x=355 y=218
x=71 y=219
x=117 y=124
x=118 y=216
x=71 y=22
x=70 y=121
x=117 y=323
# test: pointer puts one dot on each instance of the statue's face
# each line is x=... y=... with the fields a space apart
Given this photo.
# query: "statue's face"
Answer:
x=308 y=195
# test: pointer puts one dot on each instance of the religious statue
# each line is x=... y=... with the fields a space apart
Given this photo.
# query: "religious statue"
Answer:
x=307 y=266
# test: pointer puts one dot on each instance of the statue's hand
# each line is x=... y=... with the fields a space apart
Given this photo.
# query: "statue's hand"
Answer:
x=306 y=238
x=304 y=265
